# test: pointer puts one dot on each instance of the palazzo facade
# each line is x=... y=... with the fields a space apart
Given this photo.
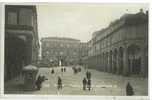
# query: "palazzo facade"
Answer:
x=21 y=38
x=122 y=47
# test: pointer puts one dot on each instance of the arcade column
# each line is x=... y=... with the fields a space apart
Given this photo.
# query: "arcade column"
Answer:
x=143 y=71
x=125 y=62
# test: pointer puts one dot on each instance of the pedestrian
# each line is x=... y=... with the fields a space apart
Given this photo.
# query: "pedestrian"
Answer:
x=79 y=69
x=64 y=69
x=52 y=71
x=84 y=83
x=38 y=82
x=129 y=90
x=61 y=69
x=76 y=71
x=87 y=75
x=44 y=78
x=59 y=83
x=89 y=84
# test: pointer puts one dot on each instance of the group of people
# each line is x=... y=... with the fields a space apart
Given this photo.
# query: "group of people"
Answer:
x=87 y=81
x=39 y=81
x=76 y=70
x=63 y=69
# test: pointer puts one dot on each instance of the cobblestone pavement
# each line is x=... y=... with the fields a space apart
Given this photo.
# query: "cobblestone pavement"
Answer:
x=104 y=84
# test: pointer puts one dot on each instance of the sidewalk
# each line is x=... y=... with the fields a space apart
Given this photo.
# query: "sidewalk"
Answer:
x=103 y=84
x=14 y=85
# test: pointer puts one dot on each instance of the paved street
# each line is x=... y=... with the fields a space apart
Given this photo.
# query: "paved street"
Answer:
x=102 y=83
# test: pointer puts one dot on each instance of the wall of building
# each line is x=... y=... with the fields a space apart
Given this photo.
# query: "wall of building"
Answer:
x=55 y=49
x=21 y=38
x=83 y=53
x=121 y=48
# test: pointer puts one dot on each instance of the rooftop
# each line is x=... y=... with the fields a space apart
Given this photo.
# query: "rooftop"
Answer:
x=59 y=38
x=128 y=19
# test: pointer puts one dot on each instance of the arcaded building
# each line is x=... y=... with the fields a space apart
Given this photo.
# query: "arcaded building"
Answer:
x=122 y=47
x=62 y=50
x=21 y=38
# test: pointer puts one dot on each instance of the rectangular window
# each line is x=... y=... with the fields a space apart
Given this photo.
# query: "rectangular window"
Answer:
x=26 y=17
x=12 y=18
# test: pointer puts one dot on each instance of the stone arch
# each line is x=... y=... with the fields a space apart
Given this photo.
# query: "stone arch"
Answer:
x=134 y=59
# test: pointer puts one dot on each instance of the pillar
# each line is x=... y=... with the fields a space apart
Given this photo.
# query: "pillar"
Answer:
x=113 y=62
x=102 y=61
x=117 y=62
x=125 y=63
x=110 y=60
x=143 y=63
x=108 y=65
x=130 y=67
x=106 y=62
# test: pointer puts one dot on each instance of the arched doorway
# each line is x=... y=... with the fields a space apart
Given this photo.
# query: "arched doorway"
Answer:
x=134 y=59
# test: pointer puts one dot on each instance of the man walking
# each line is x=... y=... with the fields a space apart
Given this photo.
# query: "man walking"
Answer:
x=61 y=69
x=39 y=82
x=84 y=83
x=64 y=69
x=88 y=75
x=89 y=84
x=59 y=83
x=52 y=71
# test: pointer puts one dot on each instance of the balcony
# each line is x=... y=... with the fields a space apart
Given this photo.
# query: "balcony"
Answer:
x=19 y=27
x=19 y=30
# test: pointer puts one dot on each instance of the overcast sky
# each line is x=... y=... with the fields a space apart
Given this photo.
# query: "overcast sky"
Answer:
x=79 y=21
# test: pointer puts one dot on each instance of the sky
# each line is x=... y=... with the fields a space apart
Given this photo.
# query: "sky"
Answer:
x=79 y=21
